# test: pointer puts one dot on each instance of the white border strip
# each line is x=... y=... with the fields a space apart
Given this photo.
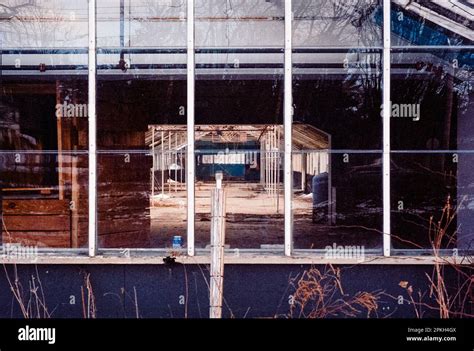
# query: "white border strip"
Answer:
x=288 y=122
x=190 y=174
x=386 y=128
x=92 y=131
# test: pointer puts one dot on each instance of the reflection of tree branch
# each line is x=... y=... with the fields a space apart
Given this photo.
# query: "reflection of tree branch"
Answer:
x=333 y=19
x=13 y=10
x=36 y=26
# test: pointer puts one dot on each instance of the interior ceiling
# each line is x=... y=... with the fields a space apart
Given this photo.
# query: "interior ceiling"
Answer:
x=305 y=136
x=454 y=16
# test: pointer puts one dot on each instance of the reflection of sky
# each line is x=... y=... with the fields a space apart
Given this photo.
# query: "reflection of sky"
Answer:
x=219 y=23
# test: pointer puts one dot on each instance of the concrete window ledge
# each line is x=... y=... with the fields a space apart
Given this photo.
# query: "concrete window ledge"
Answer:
x=243 y=258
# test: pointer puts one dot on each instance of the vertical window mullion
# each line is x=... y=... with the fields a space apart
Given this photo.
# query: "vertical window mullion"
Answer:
x=190 y=163
x=92 y=125
x=386 y=127
x=288 y=121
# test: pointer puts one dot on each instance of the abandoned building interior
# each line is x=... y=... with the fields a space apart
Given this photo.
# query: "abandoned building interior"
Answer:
x=143 y=139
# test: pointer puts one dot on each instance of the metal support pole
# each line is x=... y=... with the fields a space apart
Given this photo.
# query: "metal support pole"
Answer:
x=181 y=163
x=162 y=165
x=386 y=128
x=176 y=162
x=288 y=121
x=267 y=165
x=168 y=162
x=154 y=163
x=190 y=161
x=331 y=198
x=262 y=162
x=272 y=163
x=92 y=125
x=278 y=168
x=303 y=171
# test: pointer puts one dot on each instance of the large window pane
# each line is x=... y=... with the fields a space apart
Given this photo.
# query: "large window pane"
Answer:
x=239 y=119
x=123 y=196
x=141 y=23
x=43 y=123
x=432 y=207
x=432 y=99
x=44 y=199
x=141 y=123
x=250 y=23
x=337 y=23
x=340 y=202
x=43 y=23
x=337 y=127
x=432 y=141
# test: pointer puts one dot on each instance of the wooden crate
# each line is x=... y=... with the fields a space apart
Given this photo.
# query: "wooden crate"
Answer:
x=42 y=223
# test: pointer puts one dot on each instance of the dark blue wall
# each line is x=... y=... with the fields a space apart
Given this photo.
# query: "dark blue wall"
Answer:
x=250 y=290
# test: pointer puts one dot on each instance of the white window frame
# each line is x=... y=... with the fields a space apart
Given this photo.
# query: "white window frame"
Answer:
x=288 y=127
x=386 y=128
x=254 y=256
x=92 y=124
x=190 y=109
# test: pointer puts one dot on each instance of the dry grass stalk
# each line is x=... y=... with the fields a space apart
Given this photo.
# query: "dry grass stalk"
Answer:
x=320 y=295
x=31 y=301
x=450 y=302
x=89 y=309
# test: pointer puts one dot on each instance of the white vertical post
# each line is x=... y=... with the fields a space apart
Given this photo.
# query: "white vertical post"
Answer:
x=190 y=127
x=219 y=178
x=267 y=165
x=331 y=198
x=168 y=162
x=303 y=171
x=176 y=162
x=181 y=164
x=92 y=125
x=278 y=163
x=272 y=163
x=288 y=121
x=386 y=128
x=216 y=288
x=162 y=165
x=154 y=163
x=265 y=146
x=262 y=162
